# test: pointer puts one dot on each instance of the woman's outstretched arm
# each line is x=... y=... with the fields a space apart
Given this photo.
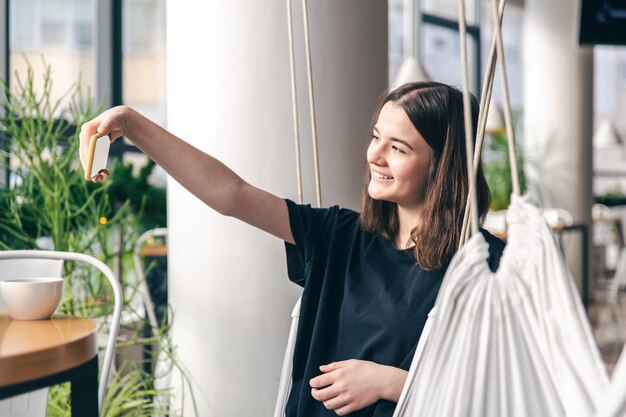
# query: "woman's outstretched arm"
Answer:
x=204 y=176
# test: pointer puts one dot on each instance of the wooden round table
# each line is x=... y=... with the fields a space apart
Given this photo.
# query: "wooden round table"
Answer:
x=39 y=353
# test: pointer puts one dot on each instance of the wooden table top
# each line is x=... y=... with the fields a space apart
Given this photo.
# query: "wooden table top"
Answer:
x=34 y=349
x=155 y=250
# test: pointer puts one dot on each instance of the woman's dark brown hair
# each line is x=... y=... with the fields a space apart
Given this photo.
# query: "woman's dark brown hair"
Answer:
x=436 y=111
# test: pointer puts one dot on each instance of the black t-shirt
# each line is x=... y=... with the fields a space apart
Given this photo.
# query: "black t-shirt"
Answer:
x=363 y=299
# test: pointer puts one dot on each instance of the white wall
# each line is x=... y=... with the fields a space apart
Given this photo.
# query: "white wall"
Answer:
x=229 y=95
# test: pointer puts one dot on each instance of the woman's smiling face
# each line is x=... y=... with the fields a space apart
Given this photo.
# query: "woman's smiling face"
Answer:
x=398 y=158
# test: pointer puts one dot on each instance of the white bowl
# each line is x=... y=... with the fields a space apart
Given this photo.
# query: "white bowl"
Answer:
x=31 y=298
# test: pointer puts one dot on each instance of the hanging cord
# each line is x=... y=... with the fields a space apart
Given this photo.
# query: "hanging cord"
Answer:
x=316 y=162
x=484 y=107
x=485 y=100
x=508 y=114
x=467 y=117
x=294 y=104
x=482 y=120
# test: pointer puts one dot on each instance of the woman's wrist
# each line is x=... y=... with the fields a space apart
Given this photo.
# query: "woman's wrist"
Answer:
x=393 y=382
x=130 y=119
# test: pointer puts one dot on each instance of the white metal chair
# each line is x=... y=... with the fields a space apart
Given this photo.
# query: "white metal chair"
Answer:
x=162 y=369
x=139 y=270
x=284 y=386
x=32 y=263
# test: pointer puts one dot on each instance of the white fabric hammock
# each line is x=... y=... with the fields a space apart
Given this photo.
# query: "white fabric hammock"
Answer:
x=513 y=343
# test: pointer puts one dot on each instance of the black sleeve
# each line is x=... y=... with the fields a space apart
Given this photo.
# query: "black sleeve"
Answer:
x=496 y=247
x=308 y=227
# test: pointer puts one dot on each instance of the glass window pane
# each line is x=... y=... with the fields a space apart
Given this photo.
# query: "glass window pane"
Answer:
x=82 y=25
x=610 y=86
x=54 y=18
x=144 y=57
x=609 y=106
x=42 y=35
x=139 y=17
x=23 y=23
x=396 y=37
x=448 y=9
x=441 y=55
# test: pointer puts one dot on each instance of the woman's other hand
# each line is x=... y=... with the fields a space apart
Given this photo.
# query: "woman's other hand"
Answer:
x=114 y=122
x=351 y=385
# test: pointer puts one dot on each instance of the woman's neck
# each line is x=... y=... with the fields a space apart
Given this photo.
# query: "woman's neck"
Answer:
x=408 y=219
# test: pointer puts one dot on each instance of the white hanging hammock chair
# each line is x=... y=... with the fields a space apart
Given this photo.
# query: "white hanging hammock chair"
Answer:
x=512 y=343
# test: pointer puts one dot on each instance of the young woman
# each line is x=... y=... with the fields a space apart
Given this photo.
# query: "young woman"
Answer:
x=369 y=278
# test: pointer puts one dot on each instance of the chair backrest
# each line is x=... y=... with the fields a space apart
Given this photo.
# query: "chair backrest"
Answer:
x=163 y=366
x=619 y=279
x=21 y=261
x=144 y=291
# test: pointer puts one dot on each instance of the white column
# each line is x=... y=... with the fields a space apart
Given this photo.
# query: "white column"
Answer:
x=229 y=95
x=558 y=111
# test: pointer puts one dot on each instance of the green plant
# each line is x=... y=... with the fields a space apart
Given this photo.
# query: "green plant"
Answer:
x=46 y=196
x=497 y=170
x=47 y=199
x=146 y=200
x=612 y=197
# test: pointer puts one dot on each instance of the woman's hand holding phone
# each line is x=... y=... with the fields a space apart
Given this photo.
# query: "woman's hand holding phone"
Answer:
x=112 y=123
x=97 y=156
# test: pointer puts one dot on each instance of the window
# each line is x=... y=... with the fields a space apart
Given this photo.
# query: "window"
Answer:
x=144 y=57
x=440 y=51
x=54 y=21
x=23 y=23
x=61 y=31
x=609 y=126
x=448 y=9
x=57 y=33
x=82 y=24
x=141 y=27
x=38 y=24
x=437 y=36
x=441 y=55
x=396 y=38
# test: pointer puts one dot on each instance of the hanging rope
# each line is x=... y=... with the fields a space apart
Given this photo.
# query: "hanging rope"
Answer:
x=508 y=114
x=484 y=109
x=294 y=104
x=285 y=378
x=485 y=100
x=307 y=43
x=467 y=118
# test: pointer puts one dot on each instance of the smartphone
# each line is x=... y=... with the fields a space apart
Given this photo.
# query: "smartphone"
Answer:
x=97 y=155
